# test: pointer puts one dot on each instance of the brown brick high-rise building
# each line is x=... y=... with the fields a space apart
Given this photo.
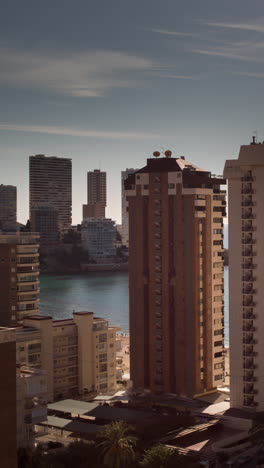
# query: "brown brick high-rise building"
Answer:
x=176 y=277
x=8 y=431
x=96 y=195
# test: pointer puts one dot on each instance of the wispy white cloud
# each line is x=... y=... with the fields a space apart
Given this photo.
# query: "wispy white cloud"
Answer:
x=172 y=33
x=227 y=53
x=257 y=26
x=67 y=131
x=250 y=74
x=175 y=76
x=86 y=74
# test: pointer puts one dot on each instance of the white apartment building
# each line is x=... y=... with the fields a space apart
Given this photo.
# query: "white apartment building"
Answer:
x=125 y=228
x=246 y=272
x=79 y=354
x=99 y=238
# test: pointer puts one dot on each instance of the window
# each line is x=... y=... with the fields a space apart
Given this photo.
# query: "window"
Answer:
x=219 y=365
x=218 y=343
x=102 y=338
x=218 y=377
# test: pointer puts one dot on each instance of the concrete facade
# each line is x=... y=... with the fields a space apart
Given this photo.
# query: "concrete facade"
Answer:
x=78 y=354
x=8 y=207
x=8 y=398
x=19 y=277
x=246 y=271
x=96 y=195
x=125 y=229
x=99 y=238
x=176 y=277
x=50 y=183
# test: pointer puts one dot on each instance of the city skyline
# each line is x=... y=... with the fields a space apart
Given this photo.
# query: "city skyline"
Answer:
x=108 y=84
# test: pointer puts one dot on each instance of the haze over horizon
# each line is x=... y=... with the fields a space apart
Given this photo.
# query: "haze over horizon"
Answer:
x=108 y=83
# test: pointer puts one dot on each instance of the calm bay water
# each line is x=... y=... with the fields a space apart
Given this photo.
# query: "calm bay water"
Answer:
x=106 y=295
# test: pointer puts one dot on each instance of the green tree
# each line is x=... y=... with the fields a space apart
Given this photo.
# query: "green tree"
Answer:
x=158 y=456
x=117 y=447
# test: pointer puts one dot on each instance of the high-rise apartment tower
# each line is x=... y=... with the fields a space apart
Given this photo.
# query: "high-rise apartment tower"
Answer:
x=176 y=277
x=8 y=438
x=50 y=183
x=19 y=277
x=8 y=207
x=96 y=195
x=125 y=230
x=246 y=272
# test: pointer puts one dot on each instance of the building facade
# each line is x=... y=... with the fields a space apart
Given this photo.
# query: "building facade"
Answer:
x=125 y=229
x=78 y=354
x=45 y=221
x=50 y=183
x=99 y=239
x=19 y=277
x=96 y=195
x=246 y=272
x=175 y=277
x=31 y=403
x=8 y=207
x=8 y=397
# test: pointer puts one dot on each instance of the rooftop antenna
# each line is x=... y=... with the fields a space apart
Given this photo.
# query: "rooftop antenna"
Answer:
x=256 y=136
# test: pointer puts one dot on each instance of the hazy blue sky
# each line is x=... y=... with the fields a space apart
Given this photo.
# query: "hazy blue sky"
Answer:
x=107 y=82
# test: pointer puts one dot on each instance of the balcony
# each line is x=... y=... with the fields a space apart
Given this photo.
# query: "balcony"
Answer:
x=249 y=315
x=248 y=239
x=249 y=352
x=248 y=277
x=248 y=265
x=249 y=302
x=248 y=227
x=247 y=203
x=248 y=289
x=248 y=252
x=250 y=390
x=249 y=378
x=249 y=364
x=27 y=299
x=249 y=340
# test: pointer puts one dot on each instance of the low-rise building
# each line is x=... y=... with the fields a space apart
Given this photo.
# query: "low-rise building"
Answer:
x=79 y=354
x=31 y=403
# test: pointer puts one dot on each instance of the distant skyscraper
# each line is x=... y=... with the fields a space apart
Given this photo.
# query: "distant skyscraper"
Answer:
x=125 y=230
x=50 y=183
x=246 y=272
x=176 y=277
x=19 y=277
x=8 y=207
x=96 y=195
x=8 y=397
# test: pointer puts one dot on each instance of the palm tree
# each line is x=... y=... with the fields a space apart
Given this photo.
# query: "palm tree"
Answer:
x=117 y=446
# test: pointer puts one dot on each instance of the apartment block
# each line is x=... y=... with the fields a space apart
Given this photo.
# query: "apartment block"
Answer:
x=78 y=354
x=176 y=284
x=99 y=239
x=50 y=183
x=8 y=398
x=96 y=195
x=125 y=229
x=246 y=272
x=8 y=207
x=45 y=221
x=19 y=277
x=31 y=403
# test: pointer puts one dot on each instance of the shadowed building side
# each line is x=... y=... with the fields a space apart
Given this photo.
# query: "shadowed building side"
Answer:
x=176 y=277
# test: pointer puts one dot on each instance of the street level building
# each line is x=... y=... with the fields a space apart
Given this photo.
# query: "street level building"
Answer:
x=176 y=277
x=246 y=272
x=78 y=354
x=99 y=239
x=19 y=277
x=50 y=183
x=8 y=207
x=8 y=398
x=96 y=195
x=125 y=230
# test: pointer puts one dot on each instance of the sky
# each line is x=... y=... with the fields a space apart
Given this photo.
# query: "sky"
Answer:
x=107 y=82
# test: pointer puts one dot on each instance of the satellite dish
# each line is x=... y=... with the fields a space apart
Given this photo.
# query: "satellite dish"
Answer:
x=156 y=154
x=168 y=153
